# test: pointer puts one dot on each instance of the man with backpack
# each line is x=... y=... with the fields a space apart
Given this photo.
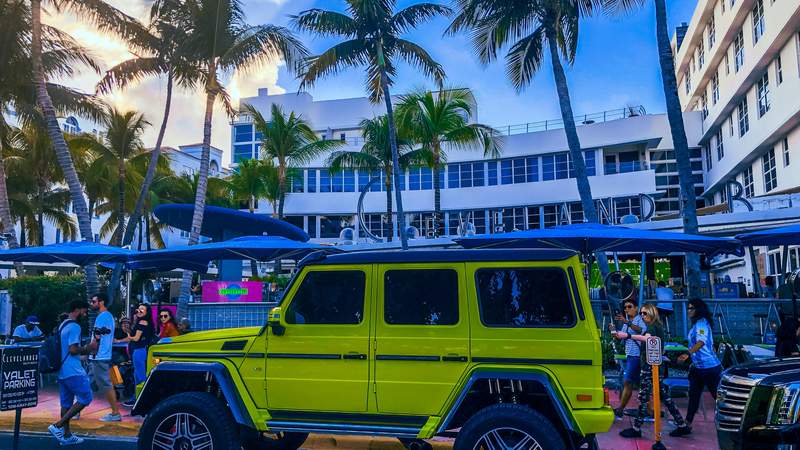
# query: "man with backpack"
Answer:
x=73 y=383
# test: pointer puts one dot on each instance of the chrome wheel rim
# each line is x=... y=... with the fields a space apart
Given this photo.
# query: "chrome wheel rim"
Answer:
x=182 y=431
x=507 y=438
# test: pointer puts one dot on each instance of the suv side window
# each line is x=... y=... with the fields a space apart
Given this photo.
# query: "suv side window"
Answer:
x=524 y=298
x=421 y=297
x=333 y=297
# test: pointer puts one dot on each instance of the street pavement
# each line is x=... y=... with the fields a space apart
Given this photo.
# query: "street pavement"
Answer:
x=43 y=441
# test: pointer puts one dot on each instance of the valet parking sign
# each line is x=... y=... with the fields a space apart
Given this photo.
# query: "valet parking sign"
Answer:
x=19 y=369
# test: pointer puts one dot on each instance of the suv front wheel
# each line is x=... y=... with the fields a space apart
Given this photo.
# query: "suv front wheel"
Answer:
x=508 y=426
x=190 y=420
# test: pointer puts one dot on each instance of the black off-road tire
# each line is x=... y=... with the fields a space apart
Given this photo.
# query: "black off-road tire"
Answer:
x=504 y=416
x=277 y=441
x=213 y=413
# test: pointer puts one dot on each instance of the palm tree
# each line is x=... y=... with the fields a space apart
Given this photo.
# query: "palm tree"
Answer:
x=108 y=19
x=219 y=40
x=533 y=28
x=158 y=53
x=119 y=144
x=59 y=53
x=376 y=155
x=183 y=188
x=442 y=120
x=372 y=31
x=289 y=140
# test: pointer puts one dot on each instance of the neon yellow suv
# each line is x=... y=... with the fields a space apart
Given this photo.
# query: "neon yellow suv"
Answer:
x=496 y=348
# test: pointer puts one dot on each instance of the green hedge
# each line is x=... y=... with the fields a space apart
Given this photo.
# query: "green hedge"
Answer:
x=44 y=296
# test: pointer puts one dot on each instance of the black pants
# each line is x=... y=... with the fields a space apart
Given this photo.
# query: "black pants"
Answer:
x=699 y=379
x=646 y=391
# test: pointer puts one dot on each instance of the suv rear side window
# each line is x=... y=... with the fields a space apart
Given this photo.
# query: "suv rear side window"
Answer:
x=524 y=298
x=329 y=298
x=421 y=297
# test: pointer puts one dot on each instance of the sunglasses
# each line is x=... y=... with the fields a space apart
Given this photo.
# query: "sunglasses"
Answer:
x=690 y=308
x=164 y=316
x=644 y=313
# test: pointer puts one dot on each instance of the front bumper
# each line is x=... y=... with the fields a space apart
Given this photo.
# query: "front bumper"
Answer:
x=759 y=437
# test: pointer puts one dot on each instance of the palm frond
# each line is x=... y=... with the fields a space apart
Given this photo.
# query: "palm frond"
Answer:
x=325 y=23
x=411 y=17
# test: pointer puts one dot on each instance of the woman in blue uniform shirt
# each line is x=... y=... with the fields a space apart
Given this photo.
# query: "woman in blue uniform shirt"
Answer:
x=706 y=369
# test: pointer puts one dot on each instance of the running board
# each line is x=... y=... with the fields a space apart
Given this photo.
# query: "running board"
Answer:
x=339 y=428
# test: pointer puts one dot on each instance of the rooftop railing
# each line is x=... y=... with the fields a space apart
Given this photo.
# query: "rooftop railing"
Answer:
x=582 y=119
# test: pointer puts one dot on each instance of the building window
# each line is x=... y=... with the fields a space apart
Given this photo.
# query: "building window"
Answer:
x=492 y=173
x=701 y=55
x=712 y=33
x=730 y=125
x=744 y=121
x=709 y=160
x=758 y=21
x=720 y=147
x=687 y=81
x=365 y=176
x=727 y=63
x=770 y=171
x=465 y=175
x=778 y=70
x=786 y=160
x=738 y=51
x=531 y=169
x=243 y=133
x=242 y=152
x=715 y=88
x=762 y=93
x=420 y=179
x=296 y=180
x=747 y=182
x=312 y=180
x=703 y=105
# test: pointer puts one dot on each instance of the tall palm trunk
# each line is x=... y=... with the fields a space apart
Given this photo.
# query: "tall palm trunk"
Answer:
x=136 y=215
x=57 y=138
x=401 y=219
x=23 y=234
x=6 y=220
x=281 y=186
x=121 y=201
x=388 y=184
x=574 y=143
x=437 y=188
x=675 y=117
x=202 y=187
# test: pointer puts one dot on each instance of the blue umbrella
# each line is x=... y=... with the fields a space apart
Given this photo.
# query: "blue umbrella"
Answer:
x=81 y=253
x=197 y=257
x=588 y=238
x=789 y=235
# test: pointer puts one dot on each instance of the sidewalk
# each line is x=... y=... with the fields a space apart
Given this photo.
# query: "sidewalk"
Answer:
x=37 y=419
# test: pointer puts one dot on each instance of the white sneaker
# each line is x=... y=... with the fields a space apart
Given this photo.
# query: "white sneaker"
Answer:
x=72 y=440
x=57 y=432
x=111 y=418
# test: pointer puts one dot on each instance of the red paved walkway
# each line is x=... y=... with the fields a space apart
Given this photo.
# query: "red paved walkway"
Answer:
x=37 y=419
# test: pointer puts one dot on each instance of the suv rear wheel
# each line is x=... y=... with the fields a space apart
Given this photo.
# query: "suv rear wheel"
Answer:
x=190 y=420
x=277 y=441
x=508 y=426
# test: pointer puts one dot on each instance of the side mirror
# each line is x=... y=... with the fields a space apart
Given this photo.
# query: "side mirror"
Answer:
x=274 y=321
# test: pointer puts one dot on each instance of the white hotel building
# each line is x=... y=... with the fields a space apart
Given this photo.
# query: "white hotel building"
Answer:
x=628 y=153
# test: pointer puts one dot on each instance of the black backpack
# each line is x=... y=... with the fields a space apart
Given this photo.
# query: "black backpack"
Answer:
x=50 y=359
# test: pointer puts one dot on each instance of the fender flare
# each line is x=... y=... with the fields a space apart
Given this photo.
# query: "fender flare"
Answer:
x=148 y=398
x=480 y=374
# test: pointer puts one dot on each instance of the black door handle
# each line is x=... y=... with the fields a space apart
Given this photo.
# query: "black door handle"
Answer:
x=358 y=356
x=456 y=358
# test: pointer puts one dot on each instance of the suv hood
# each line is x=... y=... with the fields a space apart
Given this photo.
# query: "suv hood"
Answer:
x=770 y=371
x=225 y=333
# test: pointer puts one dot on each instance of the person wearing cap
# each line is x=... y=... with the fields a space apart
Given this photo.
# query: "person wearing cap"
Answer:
x=29 y=331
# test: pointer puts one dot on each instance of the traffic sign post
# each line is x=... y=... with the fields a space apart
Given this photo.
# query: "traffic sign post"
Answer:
x=653 y=357
x=19 y=382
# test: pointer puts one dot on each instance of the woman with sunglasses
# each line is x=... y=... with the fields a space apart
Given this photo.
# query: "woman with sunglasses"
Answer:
x=632 y=323
x=140 y=338
x=169 y=327
x=706 y=369
x=649 y=314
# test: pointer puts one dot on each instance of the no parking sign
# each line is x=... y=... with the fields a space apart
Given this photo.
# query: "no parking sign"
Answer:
x=653 y=351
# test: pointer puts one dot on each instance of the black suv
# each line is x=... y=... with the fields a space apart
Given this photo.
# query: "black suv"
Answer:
x=758 y=405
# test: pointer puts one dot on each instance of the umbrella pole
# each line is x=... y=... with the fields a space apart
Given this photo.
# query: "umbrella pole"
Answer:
x=756 y=277
x=128 y=293
x=616 y=261
x=642 y=277
x=784 y=263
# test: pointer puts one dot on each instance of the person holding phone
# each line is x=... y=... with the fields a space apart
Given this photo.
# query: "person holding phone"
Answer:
x=632 y=324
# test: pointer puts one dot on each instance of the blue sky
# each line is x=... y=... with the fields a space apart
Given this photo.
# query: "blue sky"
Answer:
x=616 y=65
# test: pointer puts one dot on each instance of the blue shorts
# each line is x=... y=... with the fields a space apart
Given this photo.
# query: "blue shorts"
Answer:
x=75 y=388
x=632 y=368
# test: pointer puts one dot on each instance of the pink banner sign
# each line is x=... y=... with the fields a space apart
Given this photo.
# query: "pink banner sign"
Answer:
x=232 y=291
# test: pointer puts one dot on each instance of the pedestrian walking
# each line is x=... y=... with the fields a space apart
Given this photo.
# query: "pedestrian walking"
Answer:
x=73 y=383
x=706 y=369
x=632 y=324
x=100 y=363
x=649 y=314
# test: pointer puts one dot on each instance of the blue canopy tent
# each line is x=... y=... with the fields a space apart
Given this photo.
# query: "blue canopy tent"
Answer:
x=81 y=253
x=588 y=238
x=781 y=236
x=197 y=257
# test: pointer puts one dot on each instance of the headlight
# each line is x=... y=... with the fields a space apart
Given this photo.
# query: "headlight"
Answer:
x=783 y=406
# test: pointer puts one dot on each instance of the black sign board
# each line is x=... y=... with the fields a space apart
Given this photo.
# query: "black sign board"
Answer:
x=19 y=377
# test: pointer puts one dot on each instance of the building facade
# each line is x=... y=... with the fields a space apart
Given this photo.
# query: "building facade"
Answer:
x=738 y=64
x=628 y=153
